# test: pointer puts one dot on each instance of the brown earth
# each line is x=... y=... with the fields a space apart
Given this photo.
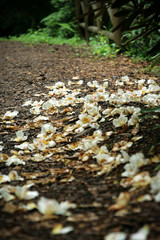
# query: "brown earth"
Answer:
x=25 y=71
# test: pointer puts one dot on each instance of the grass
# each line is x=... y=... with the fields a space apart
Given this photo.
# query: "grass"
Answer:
x=39 y=36
x=99 y=46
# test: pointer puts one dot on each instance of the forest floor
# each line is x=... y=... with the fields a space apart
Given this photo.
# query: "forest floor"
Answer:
x=87 y=166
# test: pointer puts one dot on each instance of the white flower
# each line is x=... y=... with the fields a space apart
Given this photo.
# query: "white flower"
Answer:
x=79 y=130
x=4 y=178
x=93 y=84
x=24 y=146
x=38 y=157
x=88 y=144
x=107 y=111
x=94 y=125
x=10 y=114
x=105 y=84
x=14 y=160
x=49 y=104
x=150 y=81
x=118 y=83
x=116 y=236
x=155 y=184
x=80 y=82
x=40 y=118
x=89 y=99
x=6 y=195
x=85 y=119
x=35 y=110
x=1 y=147
x=157 y=197
x=117 y=111
x=104 y=158
x=140 y=83
x=133 y=120
x=48 y=128
x=20 y=136
x=13 y=175
x=154 y=88
x=24 y=193
x=138 y=159
x=75 y=78
x=59 y=84
x=130 y=170
x=37 y=104
x=59 y=229
x=103 y=149
x=94 y=111
x=98 y=134
x=125 y=79
x=40 y=143
x=142 y=234
x=52 y=143
x=135 y=162
x=27 y=103
x=121 y=121
x=51 y=206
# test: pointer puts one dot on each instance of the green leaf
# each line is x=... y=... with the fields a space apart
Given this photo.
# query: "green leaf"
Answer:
x=157 y=168
x=151 y=110
x=151 y=149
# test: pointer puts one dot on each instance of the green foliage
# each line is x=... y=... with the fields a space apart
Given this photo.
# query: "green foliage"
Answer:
x=140 y=26
x=139 y=48
x=41 y=36
x=59 y=23
x=151 y=113
x=101 y=47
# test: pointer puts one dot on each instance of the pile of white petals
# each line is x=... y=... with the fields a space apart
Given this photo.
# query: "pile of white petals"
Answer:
x=93 y=116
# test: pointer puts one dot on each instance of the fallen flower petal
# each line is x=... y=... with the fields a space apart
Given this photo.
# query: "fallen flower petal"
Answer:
x=121 y=121
x=6 y=195
x=121 y=201
x=1 y=146
x=10 y=115
x=4 y=178
x=23 y=193
x=20 y=136
x=48 y=128
x=59 y=229
x=116 y=236
x=13 y=175
x=142 y=234
x=51 y=206
x=14 y=160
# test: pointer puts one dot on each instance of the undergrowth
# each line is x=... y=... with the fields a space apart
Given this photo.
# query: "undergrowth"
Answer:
x=41 y=36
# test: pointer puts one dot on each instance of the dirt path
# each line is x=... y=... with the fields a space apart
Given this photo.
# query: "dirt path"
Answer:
x=76 y=152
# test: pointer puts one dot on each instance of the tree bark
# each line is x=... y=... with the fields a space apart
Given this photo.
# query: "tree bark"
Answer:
x=85 y=8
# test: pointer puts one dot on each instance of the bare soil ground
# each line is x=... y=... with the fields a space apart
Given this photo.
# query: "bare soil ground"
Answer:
x=66 y=174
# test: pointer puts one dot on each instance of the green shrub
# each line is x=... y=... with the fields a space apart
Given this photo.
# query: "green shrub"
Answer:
x=60 y=22
x=100 y=46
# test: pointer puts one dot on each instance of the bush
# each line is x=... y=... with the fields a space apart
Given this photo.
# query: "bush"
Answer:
x=59 y=23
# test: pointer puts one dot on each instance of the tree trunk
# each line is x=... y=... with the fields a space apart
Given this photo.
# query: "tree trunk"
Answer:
x=85 y=9
x=115 y=21
x=96 y=12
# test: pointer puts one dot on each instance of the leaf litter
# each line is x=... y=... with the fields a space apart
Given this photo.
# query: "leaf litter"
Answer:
x=74 y=161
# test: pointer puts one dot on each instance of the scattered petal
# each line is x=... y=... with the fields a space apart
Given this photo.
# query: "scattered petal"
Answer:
x=14 y=160
x=59 y=229
x=51 y=206
x=142 y=234
x=10 y=115
x=116 y=236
